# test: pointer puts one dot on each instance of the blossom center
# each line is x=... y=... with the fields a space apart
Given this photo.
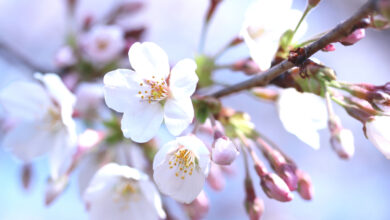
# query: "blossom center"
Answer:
x=184 y=162
x=255 y=32
x=153 y=90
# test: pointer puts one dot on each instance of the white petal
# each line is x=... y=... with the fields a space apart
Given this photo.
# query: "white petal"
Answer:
x=61 y=94
x=120 y=88
x=149 y=59
x=28 y=140
x=302 y=114
x=183 y=190
x=61 y=153
x=378 y=132
x=178 y=114
x=152 y=196
x=183 y=79
x=195 y=145
x=142 y=122
x=25 y=100
x=162 y=153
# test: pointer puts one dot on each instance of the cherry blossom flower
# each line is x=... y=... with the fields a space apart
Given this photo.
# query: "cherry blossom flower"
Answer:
x=45 y=121
x=343 y=143
x=103 y=43
x=302 y=114
x=264 y=24
x=180 y=168
x=224 y=151
x=378 y=132
x=151 y=94
x=121 y=192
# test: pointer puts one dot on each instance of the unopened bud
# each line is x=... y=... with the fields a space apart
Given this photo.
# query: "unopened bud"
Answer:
x=255 y=208
x=65 y=57
x=329 y=48
x=276 y=188
x=248 y=66
x=384 y=8
x=215 y=179
x=314 y=3
x=343 y=143
x=305 y=188
x=198 y=208
x=224 y=151
x=54 y=188
x=354 y=37
x=288 y=173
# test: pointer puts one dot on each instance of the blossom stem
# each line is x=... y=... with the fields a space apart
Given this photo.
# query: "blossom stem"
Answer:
x=307 y=10
x=202 y=39
x=328 y=103
x=336 y=33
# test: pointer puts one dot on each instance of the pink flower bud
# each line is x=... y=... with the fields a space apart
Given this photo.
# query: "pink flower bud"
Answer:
x=54 y=188
x=329 y=48
x=288 y=173
x=89 y=139
x=65 y=57
x=248 y=66
x=354 y=37
x=215 y=178
x=224 y=151
x=276 y=188
x=314 y=3
x=342 y=142
x=198 y=208
x=305 y=188
x=255 y=208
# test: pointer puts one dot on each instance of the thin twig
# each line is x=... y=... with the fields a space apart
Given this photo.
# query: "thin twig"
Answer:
x=338 y=32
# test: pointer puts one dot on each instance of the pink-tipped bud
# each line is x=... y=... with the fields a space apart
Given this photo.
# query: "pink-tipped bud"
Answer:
x=288 y=173
x=198 y=208
x=224 y=151
x=255 y=208
x=314 y=3
x=89 y=139
x=329 y=48
x=276 y=188
x=54 y=188
x=354 y=37
x=305 y=188
x=248 y=66
x=215 y=179
x=343 y=144
x=65 y=57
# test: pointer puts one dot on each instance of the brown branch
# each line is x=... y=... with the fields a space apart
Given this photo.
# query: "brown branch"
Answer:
x=335 y=34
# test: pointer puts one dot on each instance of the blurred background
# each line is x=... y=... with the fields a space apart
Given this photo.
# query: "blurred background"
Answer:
x=354 y=189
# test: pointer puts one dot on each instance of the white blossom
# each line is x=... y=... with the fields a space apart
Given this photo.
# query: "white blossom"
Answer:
x=180 y=168
x=302 y=114
x=151 y=93
x=45 y=123
x=343 y=143
x=103 y=43
x=224 y=151
x=378 y=132
x=264 y=24
x=121 y=192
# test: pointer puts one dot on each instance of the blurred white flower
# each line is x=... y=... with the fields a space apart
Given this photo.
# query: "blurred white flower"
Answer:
x=89 y=99
x=378 y=132
x=103 y=43
x=264 y=24
x=121 y=192
x=45 y=121
x=150 y=94
x=180 y=168
x=302 y=114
